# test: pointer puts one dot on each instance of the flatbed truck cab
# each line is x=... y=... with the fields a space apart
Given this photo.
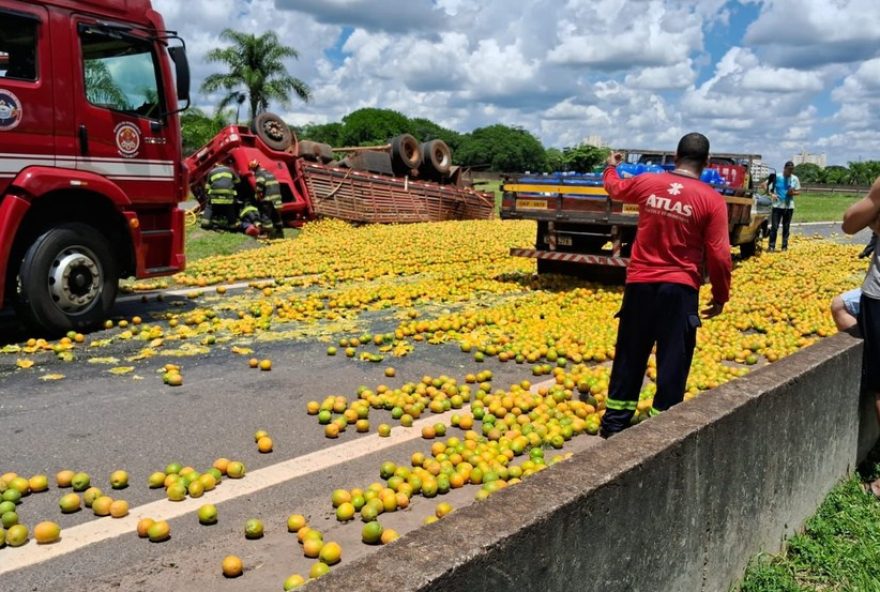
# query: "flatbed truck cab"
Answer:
x=91 y=172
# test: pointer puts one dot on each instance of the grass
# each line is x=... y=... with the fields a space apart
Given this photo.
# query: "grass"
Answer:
x=838 y=551
x=206 y=243
x=822 y=207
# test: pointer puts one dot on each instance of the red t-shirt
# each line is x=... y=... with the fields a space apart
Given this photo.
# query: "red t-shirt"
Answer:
x=682 y=222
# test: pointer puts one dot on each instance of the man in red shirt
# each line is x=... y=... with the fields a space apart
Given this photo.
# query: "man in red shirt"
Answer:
x=682 y=225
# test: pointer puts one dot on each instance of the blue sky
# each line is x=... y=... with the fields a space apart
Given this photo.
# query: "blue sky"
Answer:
x=768 y=76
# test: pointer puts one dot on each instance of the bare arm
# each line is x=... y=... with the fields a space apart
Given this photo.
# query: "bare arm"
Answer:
x=864 y=212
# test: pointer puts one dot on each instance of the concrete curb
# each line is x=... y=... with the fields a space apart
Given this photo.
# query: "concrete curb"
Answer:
x=681 y=502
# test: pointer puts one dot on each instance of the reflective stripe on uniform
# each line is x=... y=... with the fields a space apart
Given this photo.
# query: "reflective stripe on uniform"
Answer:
x=621 y=405
x=653 y=412
x=248 y=209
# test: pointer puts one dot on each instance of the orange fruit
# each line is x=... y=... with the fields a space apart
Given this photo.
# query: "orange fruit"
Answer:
x=46 y=533
x=443 y=508
x=38 y=483
x=159 y=531
x=220 y=464
x=232 y=566
x=345 y=512
x=264 y=444
x=389 y=535
x=64 y=478
x=319 y=569
x=293 y=582
x=296 y=522
x=371 y=533
x=265 y=365
x=331 y=553
x=101 y=506
x=235 y=470
x=143 y=526
x=312 y=547
x=69 y=503
x=119 y=508
x=90 y=495
x=253 y=362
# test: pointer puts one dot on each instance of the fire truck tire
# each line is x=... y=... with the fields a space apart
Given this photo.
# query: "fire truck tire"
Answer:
x=272 y=130
x=406 y=153
x=437 y=157
x=68 y=280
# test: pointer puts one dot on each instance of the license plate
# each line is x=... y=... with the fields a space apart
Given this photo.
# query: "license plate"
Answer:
x=531 y=204
x=630 y=208
x=564 y=241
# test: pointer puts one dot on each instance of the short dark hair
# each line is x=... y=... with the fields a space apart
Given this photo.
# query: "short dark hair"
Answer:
x=789 y=164
x=693 y=149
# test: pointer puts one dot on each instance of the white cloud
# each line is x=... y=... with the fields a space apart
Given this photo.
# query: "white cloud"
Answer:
x=636 y=72
x=805 y=33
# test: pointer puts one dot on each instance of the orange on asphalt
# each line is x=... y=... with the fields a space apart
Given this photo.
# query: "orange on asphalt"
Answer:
x=232 y=566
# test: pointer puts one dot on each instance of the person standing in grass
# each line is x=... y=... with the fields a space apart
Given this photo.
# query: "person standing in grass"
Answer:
x=783 y=191
x=865 y=213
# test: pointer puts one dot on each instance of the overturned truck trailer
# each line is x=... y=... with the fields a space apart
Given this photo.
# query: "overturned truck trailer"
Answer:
x=402 y=182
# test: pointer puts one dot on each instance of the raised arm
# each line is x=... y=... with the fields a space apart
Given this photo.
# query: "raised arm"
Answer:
x=619 y=189
x=864 y=212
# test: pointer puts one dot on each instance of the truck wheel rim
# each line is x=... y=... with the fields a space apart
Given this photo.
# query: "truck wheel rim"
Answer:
x=75 y=280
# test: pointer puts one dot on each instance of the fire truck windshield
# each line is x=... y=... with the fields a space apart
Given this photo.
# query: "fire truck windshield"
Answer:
x=121 y=73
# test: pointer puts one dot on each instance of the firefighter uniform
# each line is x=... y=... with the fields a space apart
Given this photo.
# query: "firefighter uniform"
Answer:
x=250 y=220
x=268 y=193
x=221 y=208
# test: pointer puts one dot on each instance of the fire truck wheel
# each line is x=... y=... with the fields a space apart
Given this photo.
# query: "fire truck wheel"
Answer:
x=273 y=131
x=406 y=153
x=437 y=156
x=68 y=279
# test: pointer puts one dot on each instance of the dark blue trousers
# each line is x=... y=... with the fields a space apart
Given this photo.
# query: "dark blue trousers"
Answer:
x=664 y=314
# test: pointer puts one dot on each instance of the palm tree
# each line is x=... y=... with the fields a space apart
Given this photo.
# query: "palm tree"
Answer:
x=256 y=64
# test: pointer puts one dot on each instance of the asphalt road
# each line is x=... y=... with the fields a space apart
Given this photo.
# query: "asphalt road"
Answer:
x=98 y=422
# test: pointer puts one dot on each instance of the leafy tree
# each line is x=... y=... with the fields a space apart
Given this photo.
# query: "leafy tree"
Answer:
x=327 y=133
x=425 y=129
x=808 y=173
x=864 y=173
x=583 y=158
x=369 y=127
x=554 y=160
x=836 y=175
x=100 y=87
x=256 y=65
x=503 y=149
x=198 y=128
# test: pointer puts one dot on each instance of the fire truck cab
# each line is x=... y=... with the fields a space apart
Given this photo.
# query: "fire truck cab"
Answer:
x=91 y=172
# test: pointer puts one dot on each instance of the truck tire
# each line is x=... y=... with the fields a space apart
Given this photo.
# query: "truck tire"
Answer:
x=272 y=130
x=406 y=153
x=68 y=280
x=315 y=151
x=437 y=157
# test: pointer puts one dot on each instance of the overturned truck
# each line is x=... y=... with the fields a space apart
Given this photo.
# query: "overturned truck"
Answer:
x=402 y=182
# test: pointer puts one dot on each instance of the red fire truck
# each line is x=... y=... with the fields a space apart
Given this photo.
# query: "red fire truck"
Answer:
x=90 y=155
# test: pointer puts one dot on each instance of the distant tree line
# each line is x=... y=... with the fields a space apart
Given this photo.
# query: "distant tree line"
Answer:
x=496 y=147
x=858 y=173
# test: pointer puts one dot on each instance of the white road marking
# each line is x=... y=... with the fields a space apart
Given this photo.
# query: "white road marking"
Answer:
x=102 y=529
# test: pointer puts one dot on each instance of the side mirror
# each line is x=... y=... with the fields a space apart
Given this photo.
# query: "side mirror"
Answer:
x=181 y=64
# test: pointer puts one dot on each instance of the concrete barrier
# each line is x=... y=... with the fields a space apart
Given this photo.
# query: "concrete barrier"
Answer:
x=678 y=503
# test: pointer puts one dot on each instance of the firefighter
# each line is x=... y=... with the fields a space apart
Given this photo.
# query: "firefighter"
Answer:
x=268 y=194
x=251 y=221
x=221 y=207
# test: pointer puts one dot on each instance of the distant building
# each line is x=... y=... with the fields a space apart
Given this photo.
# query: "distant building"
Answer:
x=759 y=170
x=820 y=160
x=595 y=140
